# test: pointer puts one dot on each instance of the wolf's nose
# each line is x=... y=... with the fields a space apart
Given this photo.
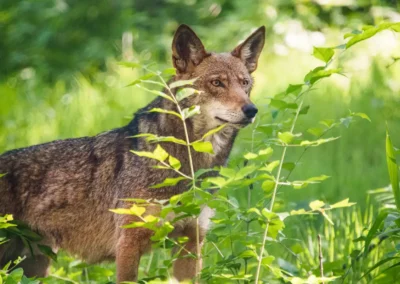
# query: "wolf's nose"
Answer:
x=250 y=110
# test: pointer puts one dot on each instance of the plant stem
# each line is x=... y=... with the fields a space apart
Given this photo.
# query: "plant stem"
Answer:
x=277 y=178
x=184 y=125
x=198 y=248
x=321 y=266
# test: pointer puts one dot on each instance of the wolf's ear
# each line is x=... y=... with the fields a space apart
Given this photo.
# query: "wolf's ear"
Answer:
x=187 y=49
x=250 y=49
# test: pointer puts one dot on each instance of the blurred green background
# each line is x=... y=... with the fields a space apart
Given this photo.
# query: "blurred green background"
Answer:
x=59 y=77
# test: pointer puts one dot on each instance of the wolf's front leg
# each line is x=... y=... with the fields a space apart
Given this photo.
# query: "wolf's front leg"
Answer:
x=132 y=244
x=187 y=265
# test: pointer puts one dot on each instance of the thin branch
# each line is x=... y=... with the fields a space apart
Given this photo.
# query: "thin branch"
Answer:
x=278 y=175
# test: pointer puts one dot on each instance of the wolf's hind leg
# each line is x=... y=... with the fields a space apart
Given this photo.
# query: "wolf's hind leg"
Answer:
x=132 y=244
x=185 y=265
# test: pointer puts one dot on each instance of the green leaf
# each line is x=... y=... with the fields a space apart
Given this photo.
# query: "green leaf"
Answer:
x=392 y=169
x=370 y=32
x=47 y=251
x=218 y=181
x=268 y=186
x=203 y=147
x=121 y=211
x=248 y=254
x=129 y=64
x=267 y=260
x=158 y=93
x=266 y=152
x=286 y=137
x=169 y=182
x=316 y=204
x=172 y=139
x=162 y=232
x=317 y=142
x=319 y=73
x=140 y=79
x=327 y=122
x=316 y=131
x=375 y=226
x=271 y=166
x=279 y=104
x=354 y=32
x=160 y=154
x=227 y=172
x=144 y=154
x=324 y=54
x=2 y=175
x=343 y=203
x=181 y=83
x=245 y=171
x=250 y=156
x=294 y=89
x=302 y=184
x=362 y=115
x=174 y=162
x=304 y=110
x=379 y=263
x=213 y=131
x=289 y=166
x=184 y=93
x=160 y=110
x=189 y=112
x=300 y=212
x=169 y=71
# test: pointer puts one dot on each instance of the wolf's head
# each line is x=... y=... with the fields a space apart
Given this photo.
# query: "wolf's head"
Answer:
x=223 y=78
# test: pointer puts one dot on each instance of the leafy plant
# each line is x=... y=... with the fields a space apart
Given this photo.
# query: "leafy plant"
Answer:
x=257 y=172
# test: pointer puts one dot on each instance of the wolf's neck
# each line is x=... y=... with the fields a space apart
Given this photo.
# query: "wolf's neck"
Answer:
x=162 y=124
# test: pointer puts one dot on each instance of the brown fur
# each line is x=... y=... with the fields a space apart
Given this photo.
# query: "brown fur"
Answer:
x=64 y=189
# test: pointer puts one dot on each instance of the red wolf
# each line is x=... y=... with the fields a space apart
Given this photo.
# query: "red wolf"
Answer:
x=64 y=189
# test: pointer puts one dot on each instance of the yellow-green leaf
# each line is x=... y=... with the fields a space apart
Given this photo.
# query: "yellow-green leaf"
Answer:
x=317 y=204
x=213 y=131
x=267 y=186
x=322 y=53
x=158 y=93
x=250 y=156
x=137 y=210
x=174 y=162
x=271 y=166
x=181 y=83
x=190 y=111
x=203 y=146
x=184 y=93
x=140 y=79
x=160 y=110
x=129 y=64
x=285 y=137
x=122 y=211
x=160 y=154
x=343 y=203
x=169 y=182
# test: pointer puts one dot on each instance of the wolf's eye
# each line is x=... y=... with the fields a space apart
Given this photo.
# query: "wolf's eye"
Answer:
x=217 y=83
x=245 y=82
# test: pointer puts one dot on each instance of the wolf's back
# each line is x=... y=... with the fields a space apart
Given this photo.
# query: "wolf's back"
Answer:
x=27 y=170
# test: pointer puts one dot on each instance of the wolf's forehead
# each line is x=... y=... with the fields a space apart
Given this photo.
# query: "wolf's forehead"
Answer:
x=223 y=62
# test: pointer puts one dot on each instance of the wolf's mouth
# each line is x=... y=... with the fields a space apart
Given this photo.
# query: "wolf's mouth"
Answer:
x=241 y=123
